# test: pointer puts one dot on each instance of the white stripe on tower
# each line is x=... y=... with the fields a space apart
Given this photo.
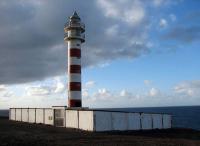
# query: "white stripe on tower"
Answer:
x=74 y=36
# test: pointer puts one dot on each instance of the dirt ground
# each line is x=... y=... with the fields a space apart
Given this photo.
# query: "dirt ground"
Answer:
x=24 y=134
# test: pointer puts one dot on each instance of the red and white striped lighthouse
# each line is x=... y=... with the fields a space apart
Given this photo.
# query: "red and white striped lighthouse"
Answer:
x=74 y=36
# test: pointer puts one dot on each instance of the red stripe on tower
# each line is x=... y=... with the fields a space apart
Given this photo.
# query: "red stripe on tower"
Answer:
x=74 y=52
x=75 y=86
x=75 y=103
x=75 y=69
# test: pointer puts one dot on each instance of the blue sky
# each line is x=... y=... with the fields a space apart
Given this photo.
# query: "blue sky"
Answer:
x=137 y=53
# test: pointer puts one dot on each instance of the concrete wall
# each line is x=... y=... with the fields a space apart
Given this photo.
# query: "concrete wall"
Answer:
x=25 y=113
x=86 y=121
x=39 y=115
x=157 y=121
x=167 y=121
x=119 y=121
x=48 y=113
x=18 y=114
x=32 y=115
x=72 y=119
x=134 y=121
x=103 y=121
x=146 y=121
x=94 y=120
x=12 y=114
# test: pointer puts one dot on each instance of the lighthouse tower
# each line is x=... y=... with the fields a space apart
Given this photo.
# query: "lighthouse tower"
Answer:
x=74 y=36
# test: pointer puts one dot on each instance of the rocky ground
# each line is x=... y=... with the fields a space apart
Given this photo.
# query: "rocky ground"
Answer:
x=24 y=134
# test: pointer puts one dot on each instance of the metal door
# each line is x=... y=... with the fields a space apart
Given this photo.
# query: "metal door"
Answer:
x=59 y=117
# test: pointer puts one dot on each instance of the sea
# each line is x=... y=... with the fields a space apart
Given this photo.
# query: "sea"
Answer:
x=182 y=116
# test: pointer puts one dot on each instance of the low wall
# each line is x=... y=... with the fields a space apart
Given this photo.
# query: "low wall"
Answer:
x=25 y=115
x=157 y=121
x=134 y=121
x=167 y=121
x=146 y=121
x=103 y=121
x=12 y=114
x=72 y=119
x=48 y=116
x=86 y=120
x=40 y=116
x=119 y=121
x=94 y=120
x=18 y=114
x=32 y=115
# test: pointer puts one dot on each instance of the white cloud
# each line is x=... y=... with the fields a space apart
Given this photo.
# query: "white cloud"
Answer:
x=158 y=2
x=154 y=92
x=125 y=93
x=163 y=23
x=172 y=17
x=5 y=91
x=2 y=88
x=147 y=82
x=131 y=12
x=112 y=31
x=85 y=93
x=89 y=84
x=38 y=90
x=189 y=88
x=60 y=87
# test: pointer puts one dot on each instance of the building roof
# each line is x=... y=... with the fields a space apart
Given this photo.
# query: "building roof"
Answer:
x=75 y=16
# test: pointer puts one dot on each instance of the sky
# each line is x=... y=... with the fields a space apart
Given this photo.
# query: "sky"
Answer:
x=138 y=53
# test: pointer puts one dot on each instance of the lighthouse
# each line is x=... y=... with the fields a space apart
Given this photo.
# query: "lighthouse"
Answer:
x=74 y=36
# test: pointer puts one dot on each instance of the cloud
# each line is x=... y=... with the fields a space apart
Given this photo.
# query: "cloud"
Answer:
x=128 y=11
x=60 y=86
x=163 y=23
x=89 y=84
x=172 y=17
x=158 y=2
x=2 y=88
x=188 y=88
x=5 y=92
x=31 y=36
x=186 y=30
x=38 y=91
x=154 y=92
x=186 y=34
x=46 y=88
x=147 y=82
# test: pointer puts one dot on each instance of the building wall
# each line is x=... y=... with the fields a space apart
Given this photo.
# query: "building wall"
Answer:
x=18 y=114
x=12 y=114
x=157 y=121
x=119 y=121
x=95 y=120
x=25 y=113
x=134 y=121
x=167 y=121
x=86 y=121
x=48 y=113
x=32 y=115
x=103 y=121
x=39 y=115
x=146 y=121
x=72 y=119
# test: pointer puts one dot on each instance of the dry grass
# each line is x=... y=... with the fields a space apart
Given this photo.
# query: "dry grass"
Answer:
x=23 y=134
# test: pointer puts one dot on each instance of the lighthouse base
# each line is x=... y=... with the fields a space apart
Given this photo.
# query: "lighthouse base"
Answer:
x=92 y=120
